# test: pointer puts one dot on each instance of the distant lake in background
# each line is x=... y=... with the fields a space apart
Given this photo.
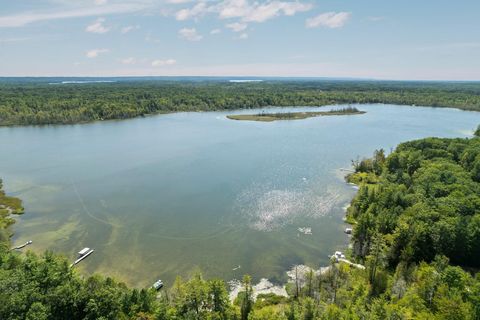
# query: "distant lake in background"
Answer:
x=163 y=195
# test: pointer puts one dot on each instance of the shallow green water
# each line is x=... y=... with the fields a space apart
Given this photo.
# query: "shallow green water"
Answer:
x=162 y=195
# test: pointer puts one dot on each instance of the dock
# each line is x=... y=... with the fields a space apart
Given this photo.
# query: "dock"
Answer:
x=23 y=245
x=355 y=265
x=338 y=256
x=85 y=252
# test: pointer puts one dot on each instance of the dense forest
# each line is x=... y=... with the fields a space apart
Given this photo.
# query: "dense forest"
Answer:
x=25 y=102
x=416 y=229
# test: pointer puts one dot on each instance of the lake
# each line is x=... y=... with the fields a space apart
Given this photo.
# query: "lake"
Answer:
x=164 y=195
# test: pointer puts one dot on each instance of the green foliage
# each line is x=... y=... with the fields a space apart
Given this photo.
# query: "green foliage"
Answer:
x=269 y=299
x=200 y=299
x=8 y=206
x=477 y=132
x=246 y=300
x=24 y=102
x=425 y=201
x=47 y=287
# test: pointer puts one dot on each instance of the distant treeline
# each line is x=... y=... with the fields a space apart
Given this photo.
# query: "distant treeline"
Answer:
x=25 y=103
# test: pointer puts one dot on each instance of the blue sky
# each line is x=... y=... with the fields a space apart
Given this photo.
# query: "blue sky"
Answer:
x=429 y=39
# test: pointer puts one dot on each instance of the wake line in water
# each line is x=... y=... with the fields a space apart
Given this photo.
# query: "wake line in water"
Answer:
x=210 y=236
x=85 y=209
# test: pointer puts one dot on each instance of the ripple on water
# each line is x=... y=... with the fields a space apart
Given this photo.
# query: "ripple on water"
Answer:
x=272 y=209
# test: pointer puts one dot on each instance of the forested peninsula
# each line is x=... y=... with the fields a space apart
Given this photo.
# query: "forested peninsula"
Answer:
x=36 y=101
x=416 y=229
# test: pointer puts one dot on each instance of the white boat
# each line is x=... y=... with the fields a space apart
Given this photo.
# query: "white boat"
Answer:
x=305 y=230
x=158 y=285
x=83 y=251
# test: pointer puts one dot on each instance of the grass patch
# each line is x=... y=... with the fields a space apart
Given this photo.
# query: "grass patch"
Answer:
x=359 y=178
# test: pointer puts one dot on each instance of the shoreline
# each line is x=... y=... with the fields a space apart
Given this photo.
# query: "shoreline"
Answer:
x=167 y=112
x=265 y=286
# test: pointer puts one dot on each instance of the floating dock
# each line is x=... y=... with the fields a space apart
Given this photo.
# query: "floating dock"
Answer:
x=82 y=254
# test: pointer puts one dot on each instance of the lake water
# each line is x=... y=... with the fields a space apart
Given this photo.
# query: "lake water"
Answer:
x=163 y=195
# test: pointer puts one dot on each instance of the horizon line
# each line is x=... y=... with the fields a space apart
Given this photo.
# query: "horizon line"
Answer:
x=242 y=77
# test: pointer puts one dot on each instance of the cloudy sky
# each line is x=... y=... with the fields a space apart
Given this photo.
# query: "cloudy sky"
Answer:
x=407 y=39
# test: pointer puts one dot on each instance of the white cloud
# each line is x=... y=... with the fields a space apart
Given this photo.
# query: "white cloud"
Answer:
x=197 y=10
x=215 y=31
x=243 y=36
x=22 y=19
x=233 y=9
x=245 y=10
x=162 y=63
x=190 y=34
x=269 y=10
x=129 y=60
x=329 y=20
x=237 y=26
x=100 y=2
x=95 y=52
x=127 y=29
x=97 y=27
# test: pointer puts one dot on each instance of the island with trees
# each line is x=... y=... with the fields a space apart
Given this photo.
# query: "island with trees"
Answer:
x=269 y=117
x=416 y=229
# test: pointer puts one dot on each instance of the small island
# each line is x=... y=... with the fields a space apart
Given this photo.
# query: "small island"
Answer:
x=268 y=117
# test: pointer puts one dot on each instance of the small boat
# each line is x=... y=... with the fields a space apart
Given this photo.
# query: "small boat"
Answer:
x=158 y=285
x=83 y=252
x=348 y=230
x=305 y=230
